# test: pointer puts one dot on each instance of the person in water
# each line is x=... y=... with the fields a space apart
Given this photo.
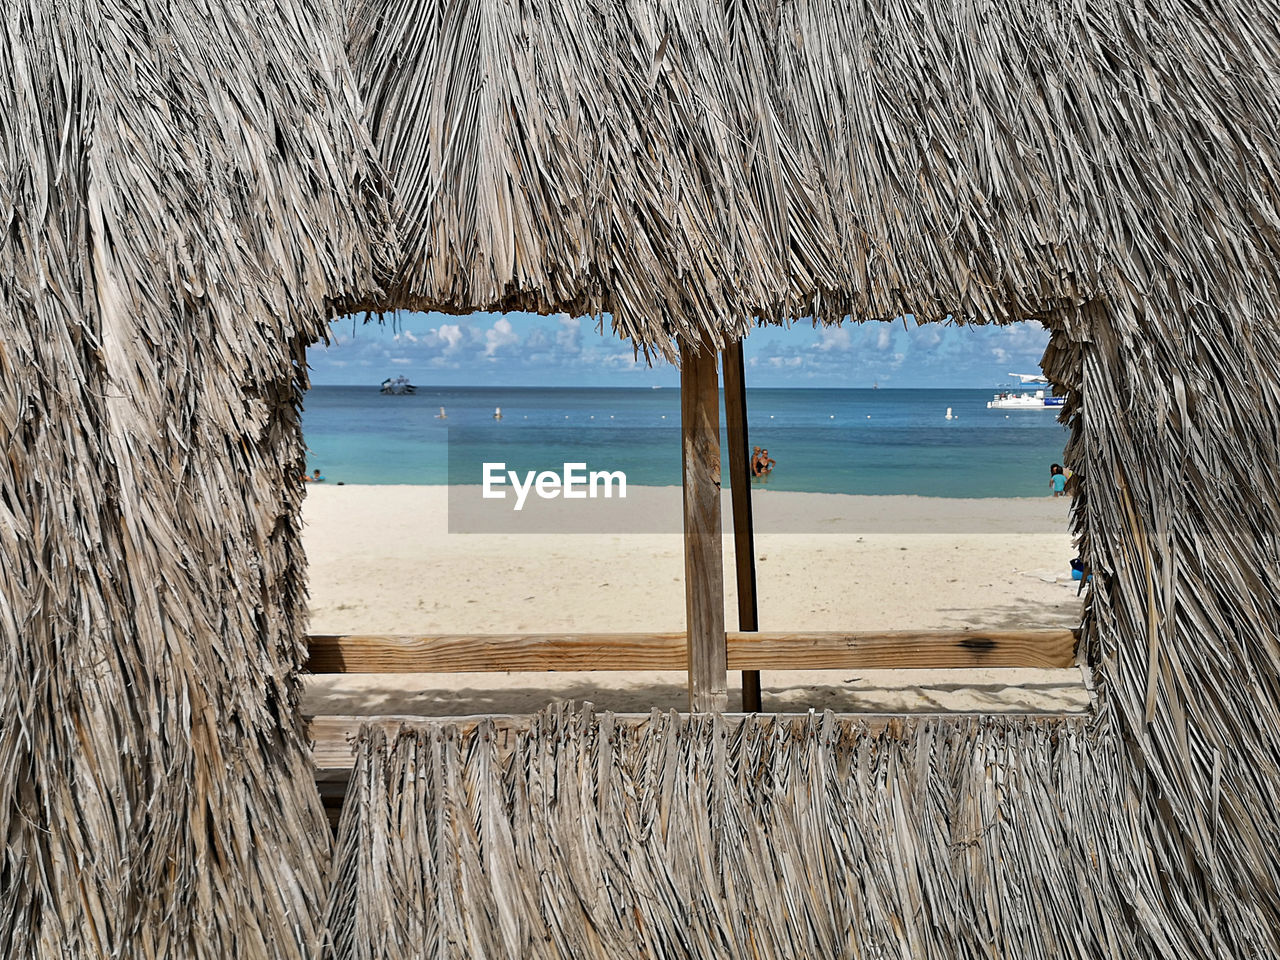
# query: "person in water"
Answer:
x=764 y=464
x=315 y=477
x=1057 y=480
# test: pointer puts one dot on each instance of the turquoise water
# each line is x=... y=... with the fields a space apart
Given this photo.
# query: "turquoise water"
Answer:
x=826 y=441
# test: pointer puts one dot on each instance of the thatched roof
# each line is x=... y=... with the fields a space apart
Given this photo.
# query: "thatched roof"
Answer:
x=187 y=191
x=690 y=168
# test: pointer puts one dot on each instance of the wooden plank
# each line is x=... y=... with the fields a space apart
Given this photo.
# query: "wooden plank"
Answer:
x=703 y=559
x=932 y=649
x=333 y=737
x=744 y=549
x=902 y=649
x=481 y=653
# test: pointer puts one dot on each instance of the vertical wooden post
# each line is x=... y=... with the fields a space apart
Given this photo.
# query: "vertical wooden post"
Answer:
x=744 y=547
x=703 y=551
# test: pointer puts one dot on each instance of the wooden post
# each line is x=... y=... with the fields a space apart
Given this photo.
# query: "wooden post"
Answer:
x=744 y=547
x=703 y=556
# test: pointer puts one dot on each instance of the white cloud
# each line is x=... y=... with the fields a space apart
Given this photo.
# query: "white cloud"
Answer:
x=834 y=338
x=928 y=336
x=884 y=339
x=500 y=335
x=569 y=336
x=450 y=334
x=538 y=343
x=621 y=361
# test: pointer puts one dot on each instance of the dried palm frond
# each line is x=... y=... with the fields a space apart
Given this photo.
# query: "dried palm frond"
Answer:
x=183 y=187
x=188 y=190
x=711 y=836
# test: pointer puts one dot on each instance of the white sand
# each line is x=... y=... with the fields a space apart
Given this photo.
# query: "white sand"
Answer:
x=382 y=561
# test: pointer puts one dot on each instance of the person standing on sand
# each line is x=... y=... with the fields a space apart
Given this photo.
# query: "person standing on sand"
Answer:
x=1057 y=480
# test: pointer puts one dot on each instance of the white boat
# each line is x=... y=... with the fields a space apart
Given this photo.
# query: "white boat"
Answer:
x=1035 y=396
x=399 y=386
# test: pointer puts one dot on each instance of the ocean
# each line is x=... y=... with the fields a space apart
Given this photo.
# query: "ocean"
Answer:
x=858 y=441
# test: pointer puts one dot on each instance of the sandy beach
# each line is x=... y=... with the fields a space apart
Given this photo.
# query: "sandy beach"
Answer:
x=382 y=560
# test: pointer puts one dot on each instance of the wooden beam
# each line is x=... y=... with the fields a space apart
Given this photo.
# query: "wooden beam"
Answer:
x=333 y=737
x=534 y=653
x=902 y=650
x=520 y=653
x=744 y=548
x=703 y=557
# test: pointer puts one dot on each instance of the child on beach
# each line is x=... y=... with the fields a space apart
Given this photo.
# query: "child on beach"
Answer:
x=1057 y=480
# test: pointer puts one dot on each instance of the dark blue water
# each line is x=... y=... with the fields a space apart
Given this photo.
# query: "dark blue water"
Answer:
x=828 y=441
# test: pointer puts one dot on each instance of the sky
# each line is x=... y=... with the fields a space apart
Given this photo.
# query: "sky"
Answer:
x=520 y=349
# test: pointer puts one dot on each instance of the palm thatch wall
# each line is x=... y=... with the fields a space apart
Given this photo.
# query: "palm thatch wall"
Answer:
x=181 y=188
x=188 y=190
x=705 y=836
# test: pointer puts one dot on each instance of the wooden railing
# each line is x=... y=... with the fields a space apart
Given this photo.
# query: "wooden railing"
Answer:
x=543 y=652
